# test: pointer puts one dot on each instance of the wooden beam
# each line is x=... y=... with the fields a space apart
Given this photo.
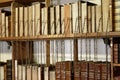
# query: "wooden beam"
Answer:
x=75 y=50
x=48 y=52
x=5 y=1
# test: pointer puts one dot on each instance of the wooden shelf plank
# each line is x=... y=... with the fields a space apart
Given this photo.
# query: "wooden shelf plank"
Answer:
x=116 y=65
x=69 y=36
x=5 y=3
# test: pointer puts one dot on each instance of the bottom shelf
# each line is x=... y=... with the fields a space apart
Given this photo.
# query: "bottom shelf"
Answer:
x=67 y=70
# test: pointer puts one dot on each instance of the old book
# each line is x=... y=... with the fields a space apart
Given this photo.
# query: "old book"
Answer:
x=21 y=21
x=5 y=72
x=75 y=17
x=34 y=72
x=68 y=70
x=89 y=19
x=3 y=25
x=52 y=75
x=6 y=26
x=24 y=72
x=52 y=20
x=29 y=72
x=91 y=69
x=106 y=15
x=45 y=19
x=80 y=16
x=62 y=20
x=58 y=19
x=93 y=19
x=0 y=23
x=19 y=72
x=99 y=21
x=115 y=53
x=84 y=28
x=46 y=73
x=38 y=7
x=106 y=71
x=59 y=71
x=77 y=70
x=30 y=21
x=40 y=73
x=26 y=17
x=97 y=71
x=17 y=22
x=84 y=70
x=9 y=70
x=33 y=19
x=16 y=70
x=67 y=19
x=2 y=73
x=116 y=16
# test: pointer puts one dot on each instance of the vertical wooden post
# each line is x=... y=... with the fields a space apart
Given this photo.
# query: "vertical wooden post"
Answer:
x=75 y=50
x=111 y=45
x=48 y=41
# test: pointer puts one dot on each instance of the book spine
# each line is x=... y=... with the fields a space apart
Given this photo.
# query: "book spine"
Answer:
x=38 y=19
x=84 y=18
x=58 y=71
x=52 y=20
x=75 y=12
x=16 y=21
x=21 y=21
x=34 y=73
x=115 y=54
x=77 y=70
x=116 y=16
x=99 y=27
x=67 y=16
x=93 y=19
x=26 y=17
x=3 y=25
x=62 y=20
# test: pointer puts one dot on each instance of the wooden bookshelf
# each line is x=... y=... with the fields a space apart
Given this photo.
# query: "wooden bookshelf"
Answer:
x=62 y=36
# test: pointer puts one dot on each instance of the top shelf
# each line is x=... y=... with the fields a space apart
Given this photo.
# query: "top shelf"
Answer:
x=63 y=36
x=5 y=3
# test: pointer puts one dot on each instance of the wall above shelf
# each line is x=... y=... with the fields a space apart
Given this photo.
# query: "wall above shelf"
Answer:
x=63 y=36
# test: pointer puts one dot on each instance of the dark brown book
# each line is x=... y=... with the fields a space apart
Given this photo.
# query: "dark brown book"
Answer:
x=98 y=71
x=62 y=71
x=69 y=70
x=91 y=70
x=84 y=70
x=9 y=70
x=115 y=53
x=77 y=69
x=58 y=70
x=106 y=71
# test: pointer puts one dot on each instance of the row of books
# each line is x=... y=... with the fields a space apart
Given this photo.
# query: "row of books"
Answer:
x=4 y=23
x=78 y=17
x=83 y=70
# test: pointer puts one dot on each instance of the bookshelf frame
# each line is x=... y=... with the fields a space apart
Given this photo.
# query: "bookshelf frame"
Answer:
x=4 y=3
